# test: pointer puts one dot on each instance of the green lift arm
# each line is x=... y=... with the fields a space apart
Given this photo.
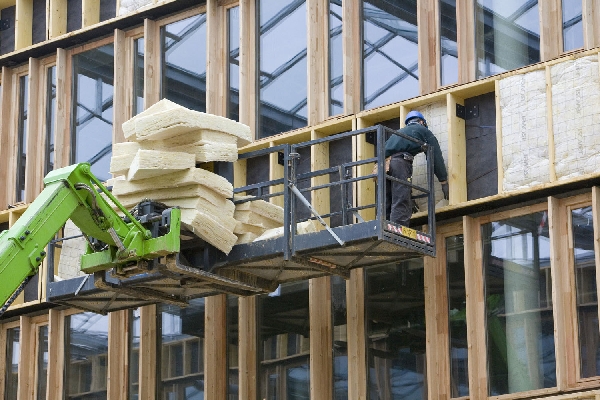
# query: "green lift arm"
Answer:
x=75 y=193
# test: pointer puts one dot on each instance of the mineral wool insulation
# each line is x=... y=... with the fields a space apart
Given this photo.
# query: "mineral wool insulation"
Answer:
x=128 y=6
x=525 y=159
x=576 y=117
x=436 y=116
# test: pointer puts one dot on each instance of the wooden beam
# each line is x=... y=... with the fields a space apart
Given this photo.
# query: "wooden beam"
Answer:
x=27 y=360
x=148 y=349
x=357 y=352
x=3 y=365
x=352 y=49
x=118 y=354
x=57 y=17
x=551 y=39
x=365 y=189
x=248 y=340
x=319 y=159
x=152 y=59
x=465 y=32
x=90 y=12
x=318 y=56
x=23 y=24
x=474 y=290
x=248 y=59
x=62 y=130
x=122 y=99
x=215 y=347
x=7 y=170
x=34 y=169
x=321 y=338
x=428 y=58
x=591 y=23
x=217 y=66
x=56 y=353
x=457 y=147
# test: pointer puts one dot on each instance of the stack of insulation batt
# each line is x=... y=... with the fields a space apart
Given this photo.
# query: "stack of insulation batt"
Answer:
x=159 y=163
x=255 y=217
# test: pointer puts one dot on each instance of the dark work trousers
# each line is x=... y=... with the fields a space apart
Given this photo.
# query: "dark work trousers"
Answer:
x=398 y=195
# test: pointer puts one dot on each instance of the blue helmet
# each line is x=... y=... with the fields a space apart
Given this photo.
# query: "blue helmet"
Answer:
x=414 y=114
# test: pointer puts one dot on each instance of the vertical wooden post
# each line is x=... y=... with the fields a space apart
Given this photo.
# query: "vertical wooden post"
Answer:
x=152 y=57
x=23 y=24
x=26 y=361
x=148 y=349
x=62 y=130
x=428 y=37
x=215 y=347
x=465 y=32
x=321 y=339
x=248 y=342
x=457 y=147
x=248 y=67
x=551 y=39
x=591 y=23
x=217 y=67
x=57 y=17
x=318 y=56
x=352 y=49
x=365 y=189
x=118 y=354
x=34 y=170
x=123 y=85
x=357 y=355
x=476 y=321
x=56 y=353
x=7 y=139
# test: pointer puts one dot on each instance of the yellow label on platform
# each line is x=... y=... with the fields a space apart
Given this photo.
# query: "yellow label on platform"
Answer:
x=411 y=233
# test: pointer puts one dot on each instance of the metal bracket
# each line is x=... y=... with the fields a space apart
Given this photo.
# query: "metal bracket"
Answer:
x=467 y=113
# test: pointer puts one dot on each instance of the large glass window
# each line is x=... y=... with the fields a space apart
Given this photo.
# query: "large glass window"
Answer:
x=587 y=291
x=520 y=324
x=184 y=62
x=86 y=358
x=572 y=24
x=11 y=378
x=336 y=59
x=457 y=315
x=282 y=62
x=507 y=35
x=395 y=303
x=182 y=351
x=91 y=127
x=340 y=338
x=50 y=118
x=134 y=354
x=285 y=345
x=233 y=98
x=448 y=44
x=42 y=362
x=390 y=52
x=138 y=76
x=22 y=136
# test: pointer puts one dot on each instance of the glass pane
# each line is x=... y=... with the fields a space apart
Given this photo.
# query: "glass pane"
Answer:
x=336 y=59
x=42 y=362
x=284 y=343
x=22 y=135
x=282 y=80
x=12 y=363
x=138 y=76
x=86 y=346
x=340 y=338
x=449 y=56
x=134 y=354
x=50 y=117
x=587 y=294
x=457 y=313
x=395 y=303
x=182 y=351
x=233 y=101
x=572 y=24
x=390 y=52
x=184 y=62
x=520 y=325
x=93 y=109
x=507 y=35
x=232 y=347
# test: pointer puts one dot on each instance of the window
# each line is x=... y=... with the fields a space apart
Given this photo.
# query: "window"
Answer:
x=336 y=59
x=12 y=363
x=340 y=338
x=50 y=118
x=390 y=52
x=448 y=44
x=184 y=62
x=572 y=24
x=138 y=76
x=22 y=136
x=42 y=362
x=91 y=125
x=587 y=291
x=232 y=348
x=233 y=98
x=507 y=35
x=457 y=313
x=181 y=347
x=86 y=358
x=519 y=320
x=284 y=343
x=134 y=354
x=395 y=302
x=283 y=66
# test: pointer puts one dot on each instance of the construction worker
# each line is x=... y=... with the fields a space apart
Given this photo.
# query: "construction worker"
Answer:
x=401 y=152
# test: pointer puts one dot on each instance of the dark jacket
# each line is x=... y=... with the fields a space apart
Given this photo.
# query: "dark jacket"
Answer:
x=397 y=144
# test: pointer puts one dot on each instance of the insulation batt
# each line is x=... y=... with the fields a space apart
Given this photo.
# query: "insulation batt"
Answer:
x=152 y=163
x=129 y=6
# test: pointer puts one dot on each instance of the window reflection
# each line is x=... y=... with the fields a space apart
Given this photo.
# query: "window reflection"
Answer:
x=587 y=294
x=12 y=363
x=572 y=24
x=50 y=117
x=390 y=52
x=395 y=303
x=233 y=101
x=285 y=344
x=184 y=62
x=22 y=136
x=448 y=44
x=457 y=313
x=283 y=66
x=86 y=347
x=42 y=362
x=93 y=109
x=520 y=324
x=507 y=35
x=336 y=58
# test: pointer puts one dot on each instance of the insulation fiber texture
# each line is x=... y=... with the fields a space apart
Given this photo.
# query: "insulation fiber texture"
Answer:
x=525 y=159
x=576 y=117
x=436 y=116
x=129 y=6
x=71 y=251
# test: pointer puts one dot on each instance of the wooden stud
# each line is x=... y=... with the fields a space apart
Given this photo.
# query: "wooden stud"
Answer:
x=118 y=354
x=276 y=171
x=57 y=18
x=62 y=142
x=122 y=104
x=152 y=57
x=474 y=290
x=321 y=338
x=248 y=343
x=217 y=67
x=56 y=353
x=148 y=349
x=427 y=57
x=23 y=24
x=591 y=23
x=248 y=60
x=499 y=153
x=551 y=40
x=596 y=223
x=365 y=189
x=90 y=12
x=2 y=364
x=457 y=147
x=357 y=355
x=215 y=347
x=550 y=127
x=465 y=31
x=7 y=139
x=352 y=49
x=34 y=169
x=318 y=56
x=319 y=159
x=26 y=360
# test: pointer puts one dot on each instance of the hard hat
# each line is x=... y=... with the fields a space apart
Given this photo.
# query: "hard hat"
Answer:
x=414 y=114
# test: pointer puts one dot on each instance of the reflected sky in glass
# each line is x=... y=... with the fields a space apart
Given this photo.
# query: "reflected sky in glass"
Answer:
x=336 y=58
x=572 y=24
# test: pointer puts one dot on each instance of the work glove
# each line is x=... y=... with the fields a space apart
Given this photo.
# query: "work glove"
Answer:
x=446 y=190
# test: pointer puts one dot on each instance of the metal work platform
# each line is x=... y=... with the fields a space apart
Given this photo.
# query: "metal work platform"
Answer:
x=348 y=231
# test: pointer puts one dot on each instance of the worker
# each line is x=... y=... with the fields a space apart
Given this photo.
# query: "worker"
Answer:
x=401 y=152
